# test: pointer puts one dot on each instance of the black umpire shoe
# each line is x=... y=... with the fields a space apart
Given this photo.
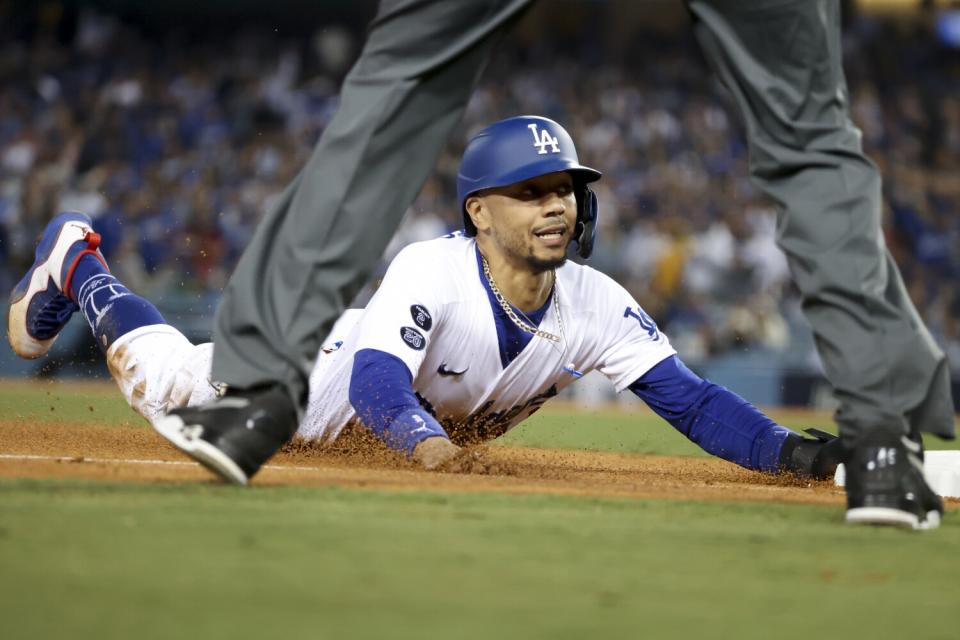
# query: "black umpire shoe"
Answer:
x=885 y=485
x=234 y=435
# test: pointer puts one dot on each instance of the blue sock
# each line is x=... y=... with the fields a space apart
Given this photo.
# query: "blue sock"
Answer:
x=109 y=307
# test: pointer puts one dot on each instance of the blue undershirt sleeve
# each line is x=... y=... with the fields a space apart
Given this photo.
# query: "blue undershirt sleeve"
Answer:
x=381 y=392
x=718 y=420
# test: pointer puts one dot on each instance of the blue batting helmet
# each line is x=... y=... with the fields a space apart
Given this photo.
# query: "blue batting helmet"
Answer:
x=524 y=147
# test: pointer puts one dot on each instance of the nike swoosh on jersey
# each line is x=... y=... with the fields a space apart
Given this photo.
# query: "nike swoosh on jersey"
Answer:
x=442 y=370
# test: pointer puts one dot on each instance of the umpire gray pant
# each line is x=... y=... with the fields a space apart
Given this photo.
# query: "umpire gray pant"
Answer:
x=311 y=253
x=782 y=61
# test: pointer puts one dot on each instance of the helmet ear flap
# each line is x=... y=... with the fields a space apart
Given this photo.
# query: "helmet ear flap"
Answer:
x=585 y=233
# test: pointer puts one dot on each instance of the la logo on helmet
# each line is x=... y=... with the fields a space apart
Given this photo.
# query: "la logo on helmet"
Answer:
x=543 y=138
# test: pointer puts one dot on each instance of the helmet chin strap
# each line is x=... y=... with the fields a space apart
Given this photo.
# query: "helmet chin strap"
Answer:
x=585 y=233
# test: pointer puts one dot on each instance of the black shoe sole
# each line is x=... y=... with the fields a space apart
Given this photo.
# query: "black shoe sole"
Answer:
x=176 y=431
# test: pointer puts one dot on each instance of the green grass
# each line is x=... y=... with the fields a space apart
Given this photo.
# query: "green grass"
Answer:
x=91 y=560
x=642 y=431
x=65 y=402
x=84 y=559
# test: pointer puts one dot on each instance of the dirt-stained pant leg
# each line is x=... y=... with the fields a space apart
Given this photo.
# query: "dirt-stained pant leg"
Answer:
x=158 y=369
x=782 y=61
x=311 y=253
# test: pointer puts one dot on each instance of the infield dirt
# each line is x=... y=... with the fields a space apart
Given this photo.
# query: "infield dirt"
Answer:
x=140 y=455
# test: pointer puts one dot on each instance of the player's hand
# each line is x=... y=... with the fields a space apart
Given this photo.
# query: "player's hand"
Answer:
x=435 y=452
x=831 y=454
x=816 y=457
x=439 y=454
x=472 y=460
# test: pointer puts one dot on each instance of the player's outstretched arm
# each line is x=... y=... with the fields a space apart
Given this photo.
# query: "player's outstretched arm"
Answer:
x=725 y=425
x=381 y=392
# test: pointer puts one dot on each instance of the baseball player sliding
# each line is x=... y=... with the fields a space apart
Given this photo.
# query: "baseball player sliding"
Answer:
x=466 y=337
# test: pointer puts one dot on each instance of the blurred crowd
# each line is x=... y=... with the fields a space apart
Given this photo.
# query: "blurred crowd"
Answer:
x=176 y=147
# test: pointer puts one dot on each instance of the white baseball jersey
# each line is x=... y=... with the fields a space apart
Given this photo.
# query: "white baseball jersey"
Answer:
x=432 y=311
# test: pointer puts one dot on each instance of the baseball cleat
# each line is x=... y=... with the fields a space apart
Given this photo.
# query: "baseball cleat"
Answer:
x=235 y=435
x=886 y=486
x=40 y=304
x=188 y=436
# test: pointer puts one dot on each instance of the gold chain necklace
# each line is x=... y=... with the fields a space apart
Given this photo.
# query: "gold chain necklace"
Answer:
x=508 y=308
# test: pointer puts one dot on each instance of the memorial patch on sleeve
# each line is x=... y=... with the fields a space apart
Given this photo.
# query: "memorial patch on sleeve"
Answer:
x=413 y=338
x=421 y=317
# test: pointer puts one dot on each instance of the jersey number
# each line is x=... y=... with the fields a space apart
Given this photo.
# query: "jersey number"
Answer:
x=646 y=322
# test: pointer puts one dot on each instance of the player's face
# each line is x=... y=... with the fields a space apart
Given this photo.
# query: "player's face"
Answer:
x=532 y=221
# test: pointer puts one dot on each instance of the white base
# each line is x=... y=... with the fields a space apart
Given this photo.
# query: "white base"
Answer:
x=941 y=469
